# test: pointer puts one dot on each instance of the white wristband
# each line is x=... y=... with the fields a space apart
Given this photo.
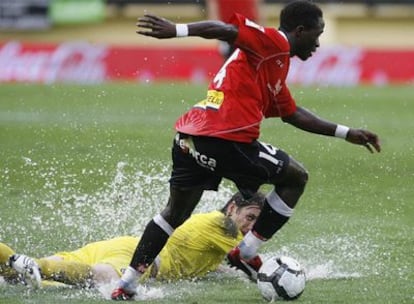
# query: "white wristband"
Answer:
x=341 y=131
x=181 y=29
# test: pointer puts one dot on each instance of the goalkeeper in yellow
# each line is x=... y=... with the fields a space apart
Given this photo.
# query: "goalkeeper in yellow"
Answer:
x=194 y=249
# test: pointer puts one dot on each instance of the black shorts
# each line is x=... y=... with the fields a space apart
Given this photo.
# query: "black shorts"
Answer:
x=200 y=161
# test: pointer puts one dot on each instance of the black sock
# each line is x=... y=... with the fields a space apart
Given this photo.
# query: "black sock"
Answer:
x=150 y=245
x=269 y=222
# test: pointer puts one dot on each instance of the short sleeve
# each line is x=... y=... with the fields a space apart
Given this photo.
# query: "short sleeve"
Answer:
x=252 y=37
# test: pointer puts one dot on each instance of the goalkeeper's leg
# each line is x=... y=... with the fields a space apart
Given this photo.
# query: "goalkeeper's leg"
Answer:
x=68 y=272
x=5 y=253
x=8 y=273
x=52 y=268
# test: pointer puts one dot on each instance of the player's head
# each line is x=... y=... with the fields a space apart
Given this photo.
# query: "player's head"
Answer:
x=244 y=212
x=303 y=23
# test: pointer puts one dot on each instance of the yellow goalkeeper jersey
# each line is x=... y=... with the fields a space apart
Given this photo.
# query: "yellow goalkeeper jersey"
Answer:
x=195 y=248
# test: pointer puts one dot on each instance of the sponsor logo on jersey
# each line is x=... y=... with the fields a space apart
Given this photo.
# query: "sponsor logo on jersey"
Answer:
x=213 y=101
x=187 y=146
x=276 y=88
x=280 y=63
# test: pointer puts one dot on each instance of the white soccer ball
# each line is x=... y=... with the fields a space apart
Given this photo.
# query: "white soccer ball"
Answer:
x=281 y=278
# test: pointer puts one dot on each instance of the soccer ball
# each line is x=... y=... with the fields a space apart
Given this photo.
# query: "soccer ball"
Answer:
x=281 y=278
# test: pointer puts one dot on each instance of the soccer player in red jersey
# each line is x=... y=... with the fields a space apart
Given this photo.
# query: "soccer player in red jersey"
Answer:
x=218 y=137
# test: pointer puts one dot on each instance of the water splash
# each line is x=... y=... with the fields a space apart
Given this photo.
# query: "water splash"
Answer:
x=60 y=213
x=333 y=256
x=64 y=217
x=143 y=292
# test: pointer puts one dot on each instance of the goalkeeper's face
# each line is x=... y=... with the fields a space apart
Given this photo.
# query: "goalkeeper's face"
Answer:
x=244 y=217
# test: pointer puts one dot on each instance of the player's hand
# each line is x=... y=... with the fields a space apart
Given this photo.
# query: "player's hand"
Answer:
x=364 y=138
x=155 y=26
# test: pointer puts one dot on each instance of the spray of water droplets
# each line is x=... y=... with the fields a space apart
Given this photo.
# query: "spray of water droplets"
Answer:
x=60 y=212
x=64 y=215
x=332 y=256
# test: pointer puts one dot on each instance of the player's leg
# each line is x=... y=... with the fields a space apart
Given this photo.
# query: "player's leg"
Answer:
x=188 y=181
x=281 y=201
x=268 y=165
x=186 y=188
x=8 y=273
x=289 y=185
x=180 y=206
x=58 y=269
x=28 y=269
x=5 y=253
x=16 y=268
x=278 y=208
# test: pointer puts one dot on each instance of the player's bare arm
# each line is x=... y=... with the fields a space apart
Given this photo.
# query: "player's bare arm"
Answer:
x=161 y=28
x=308 y=121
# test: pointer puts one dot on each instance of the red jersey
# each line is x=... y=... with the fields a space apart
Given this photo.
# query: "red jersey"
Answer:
x=249 y=87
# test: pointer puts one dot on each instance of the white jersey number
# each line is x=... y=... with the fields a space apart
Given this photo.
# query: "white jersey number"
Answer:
x=219 y=78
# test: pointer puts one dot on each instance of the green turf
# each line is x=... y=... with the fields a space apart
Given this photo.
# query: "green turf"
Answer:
x=81 y=163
